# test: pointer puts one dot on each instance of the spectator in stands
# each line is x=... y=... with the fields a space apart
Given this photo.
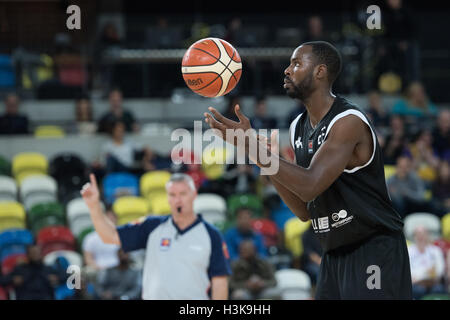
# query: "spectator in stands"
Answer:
x=315 y=30
x=294 y=113
x=441 y=188
x=33 y=280
x=427 y=265
x=151 y=160
x=416 y=104
x=424 y=162
x=11 y=122
x=396 y=141
x=243 y=231
x=406 y=189
x=376 y=111
x=441 y=135
x=234 y=27
x=240 y=178
x=85 y=123
x=86 y=291
x=312 y=254
x=252 y=276
x=97 y=254
x=399 y=51
x=120 y=282
x=117 y=113
x=261 y=120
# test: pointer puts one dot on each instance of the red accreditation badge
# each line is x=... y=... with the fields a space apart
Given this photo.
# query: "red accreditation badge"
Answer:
x=310 y=146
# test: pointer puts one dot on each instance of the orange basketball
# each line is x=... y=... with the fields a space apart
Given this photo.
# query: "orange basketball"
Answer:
x=211 y=67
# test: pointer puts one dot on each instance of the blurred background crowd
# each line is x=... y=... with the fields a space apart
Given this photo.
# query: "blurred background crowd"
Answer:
x=104 y=99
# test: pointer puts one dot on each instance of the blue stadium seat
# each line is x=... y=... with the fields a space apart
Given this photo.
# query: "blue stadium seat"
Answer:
x=282 y=214
x=7 y=73
x=120 y=184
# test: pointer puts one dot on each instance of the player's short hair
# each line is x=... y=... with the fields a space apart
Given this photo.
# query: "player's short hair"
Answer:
x=181 y=177
x=328 y=55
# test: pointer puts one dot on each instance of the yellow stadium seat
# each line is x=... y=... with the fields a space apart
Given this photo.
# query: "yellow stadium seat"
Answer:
x=11 y=224
x=445 y=225
x=25 y=163
x=130 y=205
x=160 y=206
x=49 y=132
x=389 y=171
x=213 y=162
x=12 y=210
x=293 y=230
x=154 y=181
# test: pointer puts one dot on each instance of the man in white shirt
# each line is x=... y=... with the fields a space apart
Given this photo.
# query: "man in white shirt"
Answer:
x=427 y=265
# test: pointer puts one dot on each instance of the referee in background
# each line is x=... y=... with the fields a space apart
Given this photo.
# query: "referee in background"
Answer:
x=186 y=257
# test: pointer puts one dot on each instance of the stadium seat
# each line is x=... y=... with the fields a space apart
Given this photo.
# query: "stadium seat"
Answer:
x=28 y=163
x=38 y=189
x=244 y=200
x=281 y=215
x=8 y=189
x=154 y=181
x=48 y=131
x=213 y=162
x=82 y=235
x=66 y=165
x=11 y=261
x=294 y=284
x=159 y=206
x=444 y=245
x=428 y=220
x=389 y=171
x=46 y=214
x=5 y=167
x=79 y=217
x=7 y=72
x=3 y=294
x=14 y=238
x=212 y=207
x=13 y=250
x=119 y=184
x=73 y=257
x=445 y=224
x=55 y=238
x=130 y=208
x=293 y=230
x=268 y=229
x=12 y=216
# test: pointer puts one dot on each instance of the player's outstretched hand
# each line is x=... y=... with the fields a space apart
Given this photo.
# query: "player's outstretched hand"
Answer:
x=90 y=192
x=222 y=123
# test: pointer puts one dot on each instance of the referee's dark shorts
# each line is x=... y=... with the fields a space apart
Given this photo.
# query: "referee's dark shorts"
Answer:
x=376 y=268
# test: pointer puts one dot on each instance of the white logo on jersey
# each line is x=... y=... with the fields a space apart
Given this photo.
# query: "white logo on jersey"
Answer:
x=320 y=224
x=321 y=136
x=340 y=218
x=298 y=143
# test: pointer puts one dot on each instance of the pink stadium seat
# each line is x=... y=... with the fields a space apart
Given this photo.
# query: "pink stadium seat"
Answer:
x=56 y=238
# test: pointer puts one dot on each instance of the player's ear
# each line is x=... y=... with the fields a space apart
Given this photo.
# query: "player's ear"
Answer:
x=321 y=71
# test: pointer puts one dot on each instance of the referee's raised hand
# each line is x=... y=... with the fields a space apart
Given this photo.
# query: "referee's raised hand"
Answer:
x=90 y=192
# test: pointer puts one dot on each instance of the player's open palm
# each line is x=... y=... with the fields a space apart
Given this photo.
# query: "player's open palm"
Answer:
x=90 y=192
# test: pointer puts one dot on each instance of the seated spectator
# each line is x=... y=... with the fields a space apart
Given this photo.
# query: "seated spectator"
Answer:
x=261 y=120
x=424 y=160
x=312 y=254
x=120 y=282
x=315 y=30
x=441 y=188
x=416 y=103
x=86 y=291
x=406 y=189
x=84 y=121
x=427 y=265
x=376 y=111
x=33 y=280
x=151 y=160
x=117 y=113
x=243 y=231
x=441 y=135
x=252 y=277
x=240 y=178
x=97 y=254
x=118 y=154
x=395 y=141
x=11 y=122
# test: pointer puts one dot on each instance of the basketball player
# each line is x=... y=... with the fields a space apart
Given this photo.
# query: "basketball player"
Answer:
x=337 y=182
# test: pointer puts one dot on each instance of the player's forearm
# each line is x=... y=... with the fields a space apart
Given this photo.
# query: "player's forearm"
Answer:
x=104 y=227
x=297 y=205
x=219 y=288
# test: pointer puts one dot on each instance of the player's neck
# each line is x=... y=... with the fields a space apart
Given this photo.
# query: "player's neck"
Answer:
x=318 y=104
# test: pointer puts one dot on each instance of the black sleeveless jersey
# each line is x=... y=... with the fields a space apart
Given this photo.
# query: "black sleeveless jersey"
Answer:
x=357 y=204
